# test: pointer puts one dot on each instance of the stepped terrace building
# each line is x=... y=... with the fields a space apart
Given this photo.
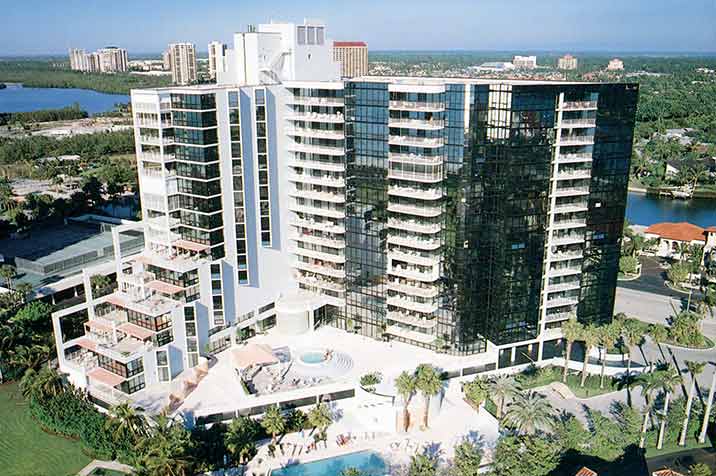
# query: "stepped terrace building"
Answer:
x=471 y=217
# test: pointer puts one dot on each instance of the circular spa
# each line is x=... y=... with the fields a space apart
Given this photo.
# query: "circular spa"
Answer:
x=314 y=357
x=321 y=362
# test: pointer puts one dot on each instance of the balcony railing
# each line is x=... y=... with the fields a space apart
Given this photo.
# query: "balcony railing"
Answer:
x=417 y=306
x=327 y=180
x=317 y=133
x=571 y=208
x=430 y=212
x=320 y=196
x=316 y=149
x=424 y=124
x=564 y=271
x=415 y=159
x=565 y=224
x=576 y=140
x=578 y=105
x=568 y=240
x=428 y=291
x=411 y=320
x=315 y=101
x=335 y=271
x=571 y=191
x=318 y=240
x=429 y=176
x=311 y=210
x=417 y=106
x=318 y=225
x=316 y=164
x=414 y=257
x=577 y=123
x=414 y=226
x=414 y=242
x=573 y=174
x=428 y=143
x=412 y=272
x=315 y=117
x=338 y=257
x=574 y=158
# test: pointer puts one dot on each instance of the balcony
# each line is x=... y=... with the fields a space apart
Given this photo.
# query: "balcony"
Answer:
x=568 y=240
x=415 y=159
x=561 y=302
x=571 y=208
x=337 y=287
x=414 y=242
x=571 y=191
x=316 y=164
x=420 y=124
x=579 y=123
x=414 y=226
x=412 y=272
x=325 y=180
x=565 y=271
x=411 y=320
x=152 y=140
x=428 y=176
x=314 y=101
x=410 y=305
x=417 y=193
x=575 y=140
x=411 y=141
x=565 y=256
x=319 y=196
x=317 y=225
x=554 y=288
x=579 y=105
x=414 y=257
x=136 y=279
x=315 y=117
x=317 y=240
x=320 y=268
x=311 y=210
x=338 y=258
x=569 y=224
x=573 y=174
x=407 y=334
x=574 y=158
x=429 y=212
x=316 y=149
x=425 y=291
x=560 y=316
x=417 y=106
x=153 y=306
x=316 y=133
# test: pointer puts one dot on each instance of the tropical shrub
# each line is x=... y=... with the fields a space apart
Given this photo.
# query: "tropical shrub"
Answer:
x=685 y=330
x=370 y=380
x=628 y=265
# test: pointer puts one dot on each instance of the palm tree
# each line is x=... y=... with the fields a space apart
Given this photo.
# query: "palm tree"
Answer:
x=659 y=334
x=405 y=386
x=707 y=413
x=7 y=272
x=273 y=422
x=631 y=335
x=239 y=438
x=669 y=378
x=41 y=384
x=590 y=337
x=127 y=423
x=529 y=413
x=606 y=335
x=422 y=465
x=320 y=417
x=427 y=380
x=649 y=383
x=571 y=330
x=695 y=368
x=501 y=388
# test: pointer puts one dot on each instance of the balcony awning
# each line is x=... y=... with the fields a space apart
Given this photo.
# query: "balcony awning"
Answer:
x=97 y=325
x=253 y=354
x=86 y=343
x=135 y=331
x=164 y=288
x=190 y=245
x=104 y=376
x=117 y=300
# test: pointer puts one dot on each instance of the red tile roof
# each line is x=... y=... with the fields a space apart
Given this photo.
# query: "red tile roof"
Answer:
x=348 y=43
x=677 y=231
x=666 y=472
x=585 y=472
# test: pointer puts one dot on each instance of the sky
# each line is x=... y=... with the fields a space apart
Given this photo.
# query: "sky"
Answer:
x=36 y=27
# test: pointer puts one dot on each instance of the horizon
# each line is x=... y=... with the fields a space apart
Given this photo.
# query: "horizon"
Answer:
x=638 y=26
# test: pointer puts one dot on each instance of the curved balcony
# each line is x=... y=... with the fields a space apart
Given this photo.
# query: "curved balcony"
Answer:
x=411 y=141
x=428 y=291
x=316 y=133
x=415 y=242
x=315 y=117
x=311 y=210
x=319 y=255
x=417 y=193
x=318 y=268
x=411 y=320
x=420 y=124
x=571 y=191
x=316 y=164
x=317 y=225
x=324 y=180
x=579 y=105
x=407 y=334
x=320 y=196
x=414 y=226
x=317 y=240
x=417 y=106
x=410 y=305
x=415 y=159
x=414 y=258
x=429 y=212
x=314 y=101
x=316 y=149
x=411 y=272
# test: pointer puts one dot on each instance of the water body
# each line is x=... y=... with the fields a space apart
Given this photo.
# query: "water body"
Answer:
x=16 y=98
x=647 y=210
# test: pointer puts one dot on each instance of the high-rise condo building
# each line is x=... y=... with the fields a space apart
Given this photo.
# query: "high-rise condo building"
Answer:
x=167 y=60
x=567 y=62
x=525 y=62
x=217 y=50
x=106 y=60
x=471 y=217
x=352 y=56
x=182 y=59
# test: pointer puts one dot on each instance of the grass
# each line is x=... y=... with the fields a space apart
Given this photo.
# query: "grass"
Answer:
x=550 y=374
x=691 y=443
x=25 y=450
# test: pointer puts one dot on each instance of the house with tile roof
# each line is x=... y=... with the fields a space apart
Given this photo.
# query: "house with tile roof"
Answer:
x=673 y=236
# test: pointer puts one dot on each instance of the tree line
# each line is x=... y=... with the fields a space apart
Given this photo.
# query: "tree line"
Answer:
x=43 y=115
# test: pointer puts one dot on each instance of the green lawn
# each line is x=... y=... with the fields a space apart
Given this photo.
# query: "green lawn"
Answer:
x=25 y=450
x=673 y=448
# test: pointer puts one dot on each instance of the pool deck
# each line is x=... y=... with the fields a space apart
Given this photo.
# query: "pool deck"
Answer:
x=221 y=391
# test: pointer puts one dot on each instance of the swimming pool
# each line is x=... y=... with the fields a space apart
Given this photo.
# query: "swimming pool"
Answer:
x=313 y=357
x=369 y=463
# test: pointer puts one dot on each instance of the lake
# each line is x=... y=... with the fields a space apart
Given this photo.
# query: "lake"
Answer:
x=16 y=98
x=647 y=210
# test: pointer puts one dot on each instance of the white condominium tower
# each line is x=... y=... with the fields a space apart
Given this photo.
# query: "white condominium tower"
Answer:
x=106 y=60
x=460 y=215
x=182 y=60
x=217 y=50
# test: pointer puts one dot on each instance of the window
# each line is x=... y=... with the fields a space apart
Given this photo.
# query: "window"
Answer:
x=163 y=370
x=301 y=35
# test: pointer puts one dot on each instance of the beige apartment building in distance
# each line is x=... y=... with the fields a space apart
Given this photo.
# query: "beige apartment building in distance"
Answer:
x=182 y=58
x=567 y=62
x=353 y=57
x=615 y=64
x=106 y=60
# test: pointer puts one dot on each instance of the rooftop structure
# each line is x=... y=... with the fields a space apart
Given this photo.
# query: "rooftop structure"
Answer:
x=410 y=210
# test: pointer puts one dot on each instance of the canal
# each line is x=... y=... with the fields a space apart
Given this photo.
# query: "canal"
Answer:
x=647 y=210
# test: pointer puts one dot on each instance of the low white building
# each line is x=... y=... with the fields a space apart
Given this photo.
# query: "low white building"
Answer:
x=673 y=236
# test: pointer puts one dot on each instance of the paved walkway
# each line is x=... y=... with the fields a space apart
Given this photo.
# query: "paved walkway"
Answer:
x=97 y=464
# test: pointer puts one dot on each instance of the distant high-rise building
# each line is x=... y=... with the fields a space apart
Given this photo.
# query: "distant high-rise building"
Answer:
x=167 y=60
x=353 y=57
x=615 y=64
x=182 y=58
x=525 y=62
x=106 y=60
x=567 y=62
x=217 y=50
